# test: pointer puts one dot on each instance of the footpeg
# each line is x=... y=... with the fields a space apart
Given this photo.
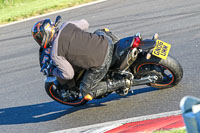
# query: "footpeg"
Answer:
x=123 y=92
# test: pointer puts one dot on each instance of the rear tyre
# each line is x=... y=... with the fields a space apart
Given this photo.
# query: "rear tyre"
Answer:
x=170 y=70
x=64 y=96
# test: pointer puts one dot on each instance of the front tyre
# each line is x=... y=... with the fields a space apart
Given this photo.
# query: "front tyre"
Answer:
x=64 y=96
x=169 y=70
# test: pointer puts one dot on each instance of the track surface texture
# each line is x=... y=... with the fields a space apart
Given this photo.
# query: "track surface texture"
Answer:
x=25 y=106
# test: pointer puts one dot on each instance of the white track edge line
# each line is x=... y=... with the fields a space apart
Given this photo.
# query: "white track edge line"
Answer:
x=113 y=124
x=51 y=13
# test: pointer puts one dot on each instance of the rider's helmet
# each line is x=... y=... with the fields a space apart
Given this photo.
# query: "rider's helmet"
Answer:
x=43 y=32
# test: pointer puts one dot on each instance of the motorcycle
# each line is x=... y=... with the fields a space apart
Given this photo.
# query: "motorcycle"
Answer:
x=144 y=61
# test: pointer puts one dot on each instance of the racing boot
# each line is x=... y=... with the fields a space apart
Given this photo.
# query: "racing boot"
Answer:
x=99 y=90
x=109 y=86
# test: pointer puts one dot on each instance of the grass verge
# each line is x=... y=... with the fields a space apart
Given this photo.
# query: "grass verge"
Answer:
x=172 y=131
x=13 y=10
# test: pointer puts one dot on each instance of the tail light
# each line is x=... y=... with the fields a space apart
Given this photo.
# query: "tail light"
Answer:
x=136 y=42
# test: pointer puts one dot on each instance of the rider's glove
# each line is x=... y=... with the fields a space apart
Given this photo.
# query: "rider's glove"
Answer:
x=46 y=55
x=49 y=70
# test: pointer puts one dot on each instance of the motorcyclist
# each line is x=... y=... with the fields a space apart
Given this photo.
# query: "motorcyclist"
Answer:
x=72 y=47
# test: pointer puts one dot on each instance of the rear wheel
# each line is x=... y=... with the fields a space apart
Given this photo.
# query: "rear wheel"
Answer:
x=169 y=71
x=64 y=96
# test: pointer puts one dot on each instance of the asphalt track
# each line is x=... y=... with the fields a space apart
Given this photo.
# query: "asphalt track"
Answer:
x=25 y=107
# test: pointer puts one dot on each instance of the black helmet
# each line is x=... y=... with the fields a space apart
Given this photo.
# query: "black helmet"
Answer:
x=43 y=32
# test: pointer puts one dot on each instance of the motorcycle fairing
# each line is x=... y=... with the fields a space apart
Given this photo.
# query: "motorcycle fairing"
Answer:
x=122 y=47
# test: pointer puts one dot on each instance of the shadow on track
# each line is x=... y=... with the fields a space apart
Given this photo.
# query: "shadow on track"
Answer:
x=53 y=110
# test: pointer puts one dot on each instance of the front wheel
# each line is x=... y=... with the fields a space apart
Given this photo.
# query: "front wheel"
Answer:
x=64 y=96
x=169 y=71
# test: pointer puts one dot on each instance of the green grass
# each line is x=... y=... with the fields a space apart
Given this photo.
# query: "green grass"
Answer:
x=172 y=131
x=12 y=10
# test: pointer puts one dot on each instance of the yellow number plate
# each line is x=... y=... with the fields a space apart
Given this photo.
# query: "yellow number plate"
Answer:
x=161 y=49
